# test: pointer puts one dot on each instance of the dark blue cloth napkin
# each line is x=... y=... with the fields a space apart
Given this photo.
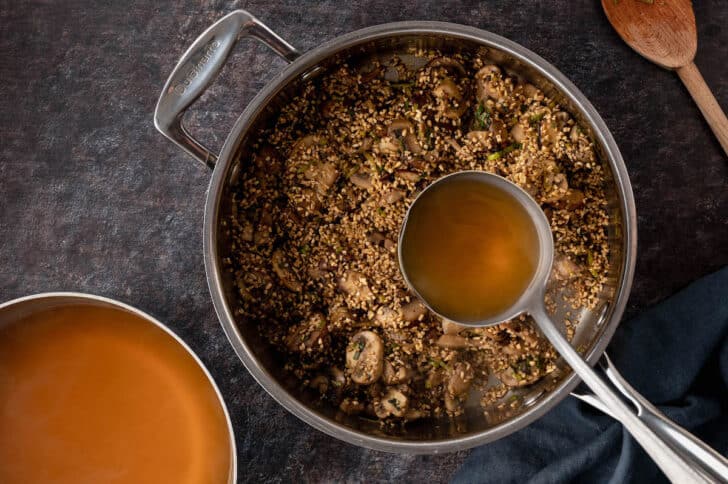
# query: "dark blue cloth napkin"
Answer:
x=675 y=354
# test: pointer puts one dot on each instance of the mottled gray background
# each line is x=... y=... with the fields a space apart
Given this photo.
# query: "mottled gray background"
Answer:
x=93 y=199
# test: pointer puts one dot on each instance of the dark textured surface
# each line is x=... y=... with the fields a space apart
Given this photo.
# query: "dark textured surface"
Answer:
x=93 y=199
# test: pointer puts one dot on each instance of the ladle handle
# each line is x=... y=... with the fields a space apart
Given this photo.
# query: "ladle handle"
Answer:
x=199 y=66
x=702 y=455
x=675 y=466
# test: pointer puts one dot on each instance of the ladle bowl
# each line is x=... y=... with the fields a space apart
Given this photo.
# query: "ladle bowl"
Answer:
x=682 y=460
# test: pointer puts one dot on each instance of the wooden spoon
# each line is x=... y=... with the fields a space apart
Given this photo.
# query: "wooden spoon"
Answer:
x=664 y=32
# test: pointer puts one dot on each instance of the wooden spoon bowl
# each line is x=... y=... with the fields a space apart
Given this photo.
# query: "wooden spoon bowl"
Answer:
x=664 y=32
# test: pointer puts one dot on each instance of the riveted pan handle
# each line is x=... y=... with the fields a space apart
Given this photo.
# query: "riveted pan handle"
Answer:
x=199 y=66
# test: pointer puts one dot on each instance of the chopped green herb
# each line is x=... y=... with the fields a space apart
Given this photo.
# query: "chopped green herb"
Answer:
x=498 y=154
x=359 y=345
x=495 y=156
x=482 y=117
x=407 y=105
x=401 y=85
x=438 y=363
x=536 y=118
x=380 y=211
x=304 y=249
x=394 y=402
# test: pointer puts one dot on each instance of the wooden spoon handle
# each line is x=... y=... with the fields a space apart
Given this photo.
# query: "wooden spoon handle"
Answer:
x=699 y=90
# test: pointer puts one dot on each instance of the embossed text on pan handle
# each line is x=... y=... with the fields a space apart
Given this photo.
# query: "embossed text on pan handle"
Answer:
x=199 y=66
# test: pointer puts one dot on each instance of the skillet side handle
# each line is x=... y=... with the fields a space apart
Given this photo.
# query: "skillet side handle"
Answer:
x=199 y=66
x=711 y=464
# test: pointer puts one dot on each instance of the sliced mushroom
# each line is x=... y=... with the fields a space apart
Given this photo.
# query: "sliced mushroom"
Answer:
x=447 y=89
x=355 y=284
x=450 y=99
x=376 y=238
x=449 y=63
x=365 y=357
x=574 y=134
x=512 y=378
x=389 y=145
x=413 y=311
x=392 y=403
x=484 y=83
x=453 y=404
x=303 y=144
x=323 y=176
x=308 y=335
x=284 y=272
x=394 y=195
x=407 y=175
x=518 y=133
x=564 y=269
x=362 y=180
x=339 y=315
x=461 y=377
x=392 y=376
x=398 y=126
x=452 y=341
x=451 y=327
x=529 y=90
x=386 y=316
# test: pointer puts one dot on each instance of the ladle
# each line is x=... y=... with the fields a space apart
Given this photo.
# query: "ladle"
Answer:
x=681 y=456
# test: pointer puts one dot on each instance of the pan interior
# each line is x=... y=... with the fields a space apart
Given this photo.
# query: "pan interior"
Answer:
x=592 y=326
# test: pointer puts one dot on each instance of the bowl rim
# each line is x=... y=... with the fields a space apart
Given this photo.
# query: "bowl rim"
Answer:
x=80 y=297
x=309 y=60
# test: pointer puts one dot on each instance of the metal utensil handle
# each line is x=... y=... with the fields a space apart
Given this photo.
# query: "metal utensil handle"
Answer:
x=199 y=66
x=674 y=464
x=710 y=462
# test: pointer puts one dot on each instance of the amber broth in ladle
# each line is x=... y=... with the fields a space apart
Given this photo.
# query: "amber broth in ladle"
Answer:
x=469 y=249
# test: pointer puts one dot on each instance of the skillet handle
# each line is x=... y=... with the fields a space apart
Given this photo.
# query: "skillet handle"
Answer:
x=199 y=66
x=710 y=463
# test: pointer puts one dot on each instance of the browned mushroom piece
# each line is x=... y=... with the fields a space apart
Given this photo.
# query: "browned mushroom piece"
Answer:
x=390 y=145
x=407 y=175
x=564 y=268
x=449 y=64
x=451 y=327
x=513 y=378
x=460 y=378
x=361 y=179
x=413 y=311
x=339 y=315
x=394 y=195
x=386 y=316
x=393 y=403
x=323 y=176
x=485 y=85
x=355 y=284
x=452 y=341
x=308 y=335
x=365 y=357
x=284 y=272
x=518 y=133
x=395 y=375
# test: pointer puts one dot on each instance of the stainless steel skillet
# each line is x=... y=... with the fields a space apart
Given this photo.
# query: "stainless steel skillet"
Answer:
x=196 y=71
